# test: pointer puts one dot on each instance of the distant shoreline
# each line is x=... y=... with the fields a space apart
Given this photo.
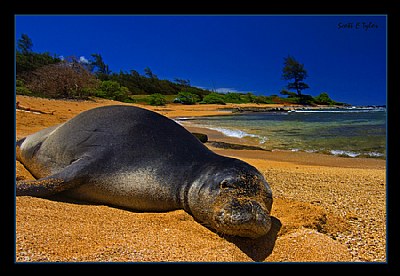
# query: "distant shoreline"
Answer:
x=295 y=108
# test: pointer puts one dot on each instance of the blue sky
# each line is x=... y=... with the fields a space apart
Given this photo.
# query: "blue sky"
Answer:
x=242 y=53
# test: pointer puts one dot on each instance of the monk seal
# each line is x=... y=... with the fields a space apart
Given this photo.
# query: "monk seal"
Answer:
x=134 y=158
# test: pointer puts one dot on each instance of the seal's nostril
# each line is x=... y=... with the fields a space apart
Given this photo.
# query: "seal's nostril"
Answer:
x=224 y=184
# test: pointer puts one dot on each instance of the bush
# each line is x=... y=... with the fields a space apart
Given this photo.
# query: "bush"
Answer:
x=249 y=98
x=20 y=88
x=213 y=98
x=157 y=99
x=232 y=98
x=263 y=100
x=323 y=98
x=112 y=90
x=306 y=99
x=61 y=80
x=288 y=93
x=187 y=98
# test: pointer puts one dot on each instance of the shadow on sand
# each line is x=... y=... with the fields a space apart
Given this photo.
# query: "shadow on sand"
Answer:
x=258 y=249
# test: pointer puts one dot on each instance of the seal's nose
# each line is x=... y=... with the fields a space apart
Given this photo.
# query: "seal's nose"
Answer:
x=245 y=218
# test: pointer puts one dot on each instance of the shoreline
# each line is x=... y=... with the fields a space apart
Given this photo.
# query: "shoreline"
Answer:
x=323 y=208
x=217 y=135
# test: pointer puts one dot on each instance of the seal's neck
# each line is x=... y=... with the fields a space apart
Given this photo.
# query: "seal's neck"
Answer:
x=197 y=197
x=184 y=198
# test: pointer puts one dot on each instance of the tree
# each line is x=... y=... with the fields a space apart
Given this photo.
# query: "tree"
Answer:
x=134 y=73
x=182 y=82
x=32 y=61
x=25 y=44
x=288 y=93
x=98 y=63
x=26 y=60
x=294 y=70
x=149 y=73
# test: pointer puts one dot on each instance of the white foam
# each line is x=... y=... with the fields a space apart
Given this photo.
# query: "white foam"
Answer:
x=232 y=132
x=375 y=154
x=345 y=152
x=237 y=133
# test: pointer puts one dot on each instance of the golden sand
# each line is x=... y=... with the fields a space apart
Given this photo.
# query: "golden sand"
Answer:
x=326 y=208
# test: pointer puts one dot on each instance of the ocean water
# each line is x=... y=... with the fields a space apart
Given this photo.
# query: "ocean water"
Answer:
x=353 y=132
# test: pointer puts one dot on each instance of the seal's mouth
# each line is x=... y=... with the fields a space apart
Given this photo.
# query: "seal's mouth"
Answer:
x=242 y=217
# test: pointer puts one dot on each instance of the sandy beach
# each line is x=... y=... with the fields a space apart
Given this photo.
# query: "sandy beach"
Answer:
x=326 y=208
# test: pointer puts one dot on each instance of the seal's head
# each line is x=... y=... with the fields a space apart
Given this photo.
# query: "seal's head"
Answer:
x=236 y=202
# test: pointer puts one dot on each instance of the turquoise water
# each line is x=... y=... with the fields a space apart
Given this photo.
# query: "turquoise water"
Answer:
x=347 y=132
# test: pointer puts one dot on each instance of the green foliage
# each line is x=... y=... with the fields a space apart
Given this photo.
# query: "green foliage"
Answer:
x=306 y=99
x=214 y=98
x=288 y=93
x=113 y=90
x=141 y=85
x=19 y=83
x=187 y=98
x=32 y=61
x=250 y=98
x=233 y=98
x=195 y=90
x=20 y=88
x=323 y=98
x=264 y=100
x=157 y=99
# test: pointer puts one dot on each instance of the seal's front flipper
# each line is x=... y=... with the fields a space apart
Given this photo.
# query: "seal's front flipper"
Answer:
x=42 y=187
x=72 y=176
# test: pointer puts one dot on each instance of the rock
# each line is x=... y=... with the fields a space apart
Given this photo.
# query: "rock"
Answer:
x=202 y=137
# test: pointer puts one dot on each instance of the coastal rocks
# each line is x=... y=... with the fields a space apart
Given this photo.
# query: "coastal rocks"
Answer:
x=201 y=136
x=224 y=145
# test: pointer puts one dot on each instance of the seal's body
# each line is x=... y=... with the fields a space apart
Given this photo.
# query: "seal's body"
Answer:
x=134 y=158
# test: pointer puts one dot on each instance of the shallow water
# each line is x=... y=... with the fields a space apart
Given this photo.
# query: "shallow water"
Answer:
x=347 y=132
